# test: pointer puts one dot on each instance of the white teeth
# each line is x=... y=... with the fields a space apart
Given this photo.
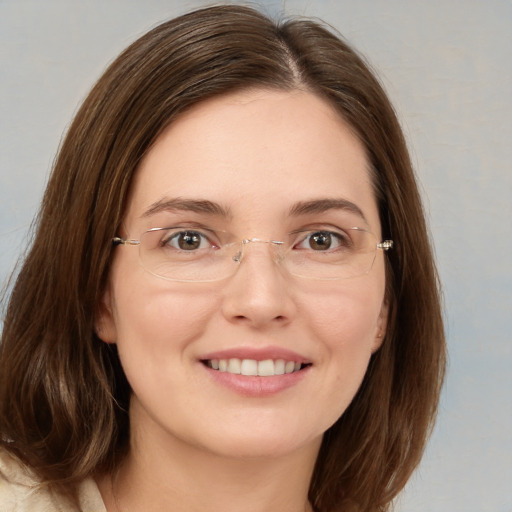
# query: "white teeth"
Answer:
x=279 y=366
x=251 y=367
x=234 y=366
x=266 y=368
x=289 y=367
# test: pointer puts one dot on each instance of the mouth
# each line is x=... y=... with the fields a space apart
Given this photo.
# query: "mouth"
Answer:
x=253 y=367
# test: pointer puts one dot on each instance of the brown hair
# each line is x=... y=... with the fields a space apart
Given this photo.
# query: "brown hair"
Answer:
x=63 y=394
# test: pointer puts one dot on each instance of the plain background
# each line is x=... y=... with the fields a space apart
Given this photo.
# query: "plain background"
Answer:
x=447 y=65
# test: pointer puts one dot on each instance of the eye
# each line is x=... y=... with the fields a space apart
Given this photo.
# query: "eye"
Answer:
x=323 y=241
x=187 y=241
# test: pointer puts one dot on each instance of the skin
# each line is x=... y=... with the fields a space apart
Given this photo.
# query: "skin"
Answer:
x=196 y=444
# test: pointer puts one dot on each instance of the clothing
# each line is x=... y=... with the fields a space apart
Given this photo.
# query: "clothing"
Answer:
x=20 y=491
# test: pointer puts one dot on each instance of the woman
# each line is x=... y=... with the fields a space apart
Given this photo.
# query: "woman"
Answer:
x=231 y=301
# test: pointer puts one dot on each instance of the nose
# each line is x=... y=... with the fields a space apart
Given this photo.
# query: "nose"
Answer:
x=259 y=293
x=274 y=244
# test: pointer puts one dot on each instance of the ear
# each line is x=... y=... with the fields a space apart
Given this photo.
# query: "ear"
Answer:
x=104 y=323
x=380 y=329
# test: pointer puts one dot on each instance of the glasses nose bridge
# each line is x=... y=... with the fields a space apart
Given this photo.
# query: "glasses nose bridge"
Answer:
x=277 y=246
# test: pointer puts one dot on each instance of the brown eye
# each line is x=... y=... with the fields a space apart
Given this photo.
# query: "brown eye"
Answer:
x=320 y=241
x=323 y=241
x=188 y=241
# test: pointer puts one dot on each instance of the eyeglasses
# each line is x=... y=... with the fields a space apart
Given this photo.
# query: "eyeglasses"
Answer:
x=198 y=255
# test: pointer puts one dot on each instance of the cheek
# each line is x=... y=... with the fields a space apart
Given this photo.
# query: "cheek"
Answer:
x=153 y=325
x=344 y=324
x=346 y=313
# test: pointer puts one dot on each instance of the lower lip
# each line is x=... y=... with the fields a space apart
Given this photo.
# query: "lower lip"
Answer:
x=248 y=385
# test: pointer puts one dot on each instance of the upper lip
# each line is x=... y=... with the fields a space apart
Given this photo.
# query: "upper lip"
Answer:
x=258 y=354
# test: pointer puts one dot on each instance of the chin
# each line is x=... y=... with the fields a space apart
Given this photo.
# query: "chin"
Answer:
x=263 y=447
x=260 y=440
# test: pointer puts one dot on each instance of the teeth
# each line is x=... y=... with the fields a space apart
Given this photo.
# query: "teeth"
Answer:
x=289 y=367
x=279 y=366
x=234 y=366
x=251 y=367
x=266 y=368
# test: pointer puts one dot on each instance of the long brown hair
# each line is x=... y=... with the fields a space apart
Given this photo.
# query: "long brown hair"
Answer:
x=63 y=394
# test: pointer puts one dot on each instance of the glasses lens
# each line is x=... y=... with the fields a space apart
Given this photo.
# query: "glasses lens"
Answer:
x=333 y=255
x=182 y=254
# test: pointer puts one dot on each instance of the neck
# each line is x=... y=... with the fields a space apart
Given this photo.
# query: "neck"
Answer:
x=176 y=476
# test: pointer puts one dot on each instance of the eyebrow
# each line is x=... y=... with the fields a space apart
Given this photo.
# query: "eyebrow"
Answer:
x=189 y=205
x=324 y=205
x=212 y=208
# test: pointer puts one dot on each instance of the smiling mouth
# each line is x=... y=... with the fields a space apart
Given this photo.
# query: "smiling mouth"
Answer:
x=252 y=367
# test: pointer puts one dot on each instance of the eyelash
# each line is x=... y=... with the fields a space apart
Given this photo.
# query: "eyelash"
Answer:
x=342 y=238
x=330 y=235
x=175 y=235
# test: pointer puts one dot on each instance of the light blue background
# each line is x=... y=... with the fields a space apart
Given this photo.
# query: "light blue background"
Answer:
x=447 y=66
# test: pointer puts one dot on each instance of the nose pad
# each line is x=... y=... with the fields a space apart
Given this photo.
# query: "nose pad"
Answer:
x=256 y=295
x=274 y=244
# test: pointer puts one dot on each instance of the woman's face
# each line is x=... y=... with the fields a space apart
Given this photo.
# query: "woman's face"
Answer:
x=256 y=164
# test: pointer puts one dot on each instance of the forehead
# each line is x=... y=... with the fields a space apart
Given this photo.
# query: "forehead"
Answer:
x=256 y=153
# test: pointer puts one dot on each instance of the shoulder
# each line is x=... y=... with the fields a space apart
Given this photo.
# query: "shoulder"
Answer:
x=21 y=491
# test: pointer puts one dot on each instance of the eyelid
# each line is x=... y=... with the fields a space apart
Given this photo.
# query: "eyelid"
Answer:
x=202 y=230
x=173 y=233
x=325 y=227
x=191 y=226
x=342 y=237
